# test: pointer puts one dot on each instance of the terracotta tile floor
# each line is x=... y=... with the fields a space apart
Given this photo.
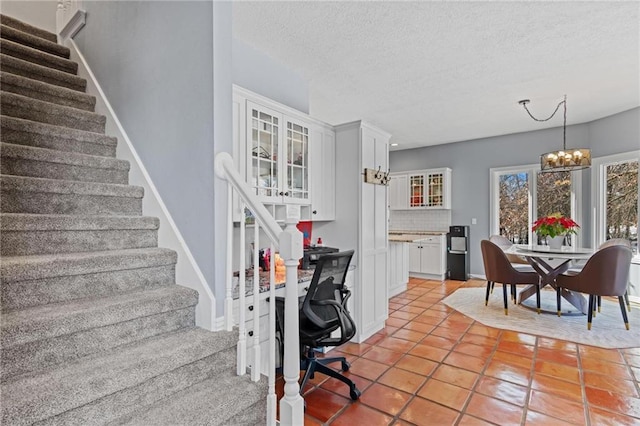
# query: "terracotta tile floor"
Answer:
x=433 y=366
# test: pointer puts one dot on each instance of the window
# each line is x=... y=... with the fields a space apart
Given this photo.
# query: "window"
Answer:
x=616 y=200
x=514 y=207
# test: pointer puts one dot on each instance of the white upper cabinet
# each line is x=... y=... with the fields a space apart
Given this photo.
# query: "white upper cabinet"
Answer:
x=398 y=192
x=278 y=161
x=422 y=189
x=286 y=156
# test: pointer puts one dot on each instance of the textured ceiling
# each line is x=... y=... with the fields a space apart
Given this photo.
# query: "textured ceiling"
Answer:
x=438 y=72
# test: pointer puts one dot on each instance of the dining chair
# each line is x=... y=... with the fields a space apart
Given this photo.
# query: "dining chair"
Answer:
x=612 y=242
x=606 y=273
x=498 y=269
x=518 y=262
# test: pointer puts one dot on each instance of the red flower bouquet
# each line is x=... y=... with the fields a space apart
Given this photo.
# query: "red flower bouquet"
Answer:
x=553 y=225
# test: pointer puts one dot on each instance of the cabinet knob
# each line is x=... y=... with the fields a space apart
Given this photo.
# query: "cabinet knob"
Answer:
x=251 y=333
x=315 y=212
x=286 y=194
x=281 y=193
x=251 y=307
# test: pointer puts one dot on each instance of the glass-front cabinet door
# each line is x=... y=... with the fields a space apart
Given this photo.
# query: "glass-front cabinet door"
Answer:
x=435 y=197
x=417 y=190
x=264 y=128
x=297 y=166
x=278 y=162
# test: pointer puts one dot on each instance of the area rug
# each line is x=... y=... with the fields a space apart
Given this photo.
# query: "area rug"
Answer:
x=607 y=330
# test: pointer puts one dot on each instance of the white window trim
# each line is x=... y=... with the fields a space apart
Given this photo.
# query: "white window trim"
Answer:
x=598 y=194
x=532 y=170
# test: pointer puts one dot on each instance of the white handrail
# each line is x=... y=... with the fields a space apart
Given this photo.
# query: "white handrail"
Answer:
x=288 y=241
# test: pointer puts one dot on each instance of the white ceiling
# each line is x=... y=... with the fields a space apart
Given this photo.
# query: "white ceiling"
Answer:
x=439 y=72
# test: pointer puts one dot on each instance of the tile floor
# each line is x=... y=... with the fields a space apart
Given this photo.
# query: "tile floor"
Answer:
x=434 y=366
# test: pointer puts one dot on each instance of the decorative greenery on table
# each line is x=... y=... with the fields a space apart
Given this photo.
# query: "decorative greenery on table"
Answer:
x=553 y=225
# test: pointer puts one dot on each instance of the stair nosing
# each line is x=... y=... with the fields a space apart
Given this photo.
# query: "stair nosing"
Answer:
x=42 y=44
x=70 y=317
x=49 y=34
x=61 y=186
x=51 y=222
x=48 y=155
x=51 y=73
x=58 y=91
x=58 y=131
x=48 y=57
x=51 y=108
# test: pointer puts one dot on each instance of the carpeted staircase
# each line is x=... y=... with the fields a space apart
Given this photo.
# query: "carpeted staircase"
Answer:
x=94 y=329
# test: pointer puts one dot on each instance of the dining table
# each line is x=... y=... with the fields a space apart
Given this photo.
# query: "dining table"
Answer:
x=549 y=263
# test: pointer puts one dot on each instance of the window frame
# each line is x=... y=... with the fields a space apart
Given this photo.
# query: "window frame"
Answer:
x=532 y=170
x=599 y=194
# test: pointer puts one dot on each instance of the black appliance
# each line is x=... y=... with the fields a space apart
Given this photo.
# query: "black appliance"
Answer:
x=458 y=253
x=312 y=254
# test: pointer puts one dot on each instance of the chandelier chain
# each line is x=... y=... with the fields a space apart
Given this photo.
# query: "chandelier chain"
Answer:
x=524 y=104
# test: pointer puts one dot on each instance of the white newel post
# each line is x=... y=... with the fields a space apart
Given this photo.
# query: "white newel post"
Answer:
x=70 y=18
x=291 y=404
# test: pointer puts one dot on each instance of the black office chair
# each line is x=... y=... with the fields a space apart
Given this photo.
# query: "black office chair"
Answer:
x=323 y=311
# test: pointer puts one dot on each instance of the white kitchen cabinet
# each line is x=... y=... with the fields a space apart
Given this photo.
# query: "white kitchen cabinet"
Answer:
x=361 y=221
x=398 y=268
x=278 y=157
x=284 y=155
x=323 y=174
x=398 y=192
x=423 y=189
x=427 y=258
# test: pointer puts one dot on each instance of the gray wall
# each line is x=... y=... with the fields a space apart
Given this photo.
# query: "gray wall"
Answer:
x=40 y=14
x=258 y=72
x=471 y=161
x=154 y=60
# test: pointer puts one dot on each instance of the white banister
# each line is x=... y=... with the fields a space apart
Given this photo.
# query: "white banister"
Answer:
x=255 y=367
x=228 y=301
x=242 y=331
x=271 y=398
x=289 y=244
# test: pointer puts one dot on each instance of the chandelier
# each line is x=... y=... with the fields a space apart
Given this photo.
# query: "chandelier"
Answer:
x=564 y=159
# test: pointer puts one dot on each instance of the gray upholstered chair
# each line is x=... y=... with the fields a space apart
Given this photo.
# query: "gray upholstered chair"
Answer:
x=606 y=273
x=498 y=269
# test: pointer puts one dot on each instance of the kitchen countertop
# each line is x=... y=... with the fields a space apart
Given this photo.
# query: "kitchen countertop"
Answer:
x=412 y=236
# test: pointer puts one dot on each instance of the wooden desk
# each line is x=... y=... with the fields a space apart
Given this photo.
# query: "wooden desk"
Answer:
x=549 y=264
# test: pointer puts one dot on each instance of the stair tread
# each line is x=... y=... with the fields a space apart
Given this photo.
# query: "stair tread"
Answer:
x=9 y=98
x=32 y=184
x=11 y=33
x=56 y=319
x=48 y=88
x=48 y=155
x=39 y=396
x=231 y=393
x=55 y=222
x=53 y=265
x=15 y=123
x=28 y=28
x=8 y=47
x=10 y=62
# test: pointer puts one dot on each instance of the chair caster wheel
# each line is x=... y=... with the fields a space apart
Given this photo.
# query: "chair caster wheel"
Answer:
x=345 y=366
x=354 y=393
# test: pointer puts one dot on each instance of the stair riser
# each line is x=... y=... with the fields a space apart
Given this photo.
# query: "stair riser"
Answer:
x=28 y=293
x=74 y=119
x=47 y=353
x=18 y=329
x=25 y=137
x=35 y=42
x=46 y=75
x=85 y=104
x=33 y=168
x=52 y=203
x=120 y=404
x=23 y=243
x=35 y=56
x=26 y=28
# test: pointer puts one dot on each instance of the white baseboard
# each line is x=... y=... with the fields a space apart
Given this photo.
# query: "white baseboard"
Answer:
x=188 y=273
